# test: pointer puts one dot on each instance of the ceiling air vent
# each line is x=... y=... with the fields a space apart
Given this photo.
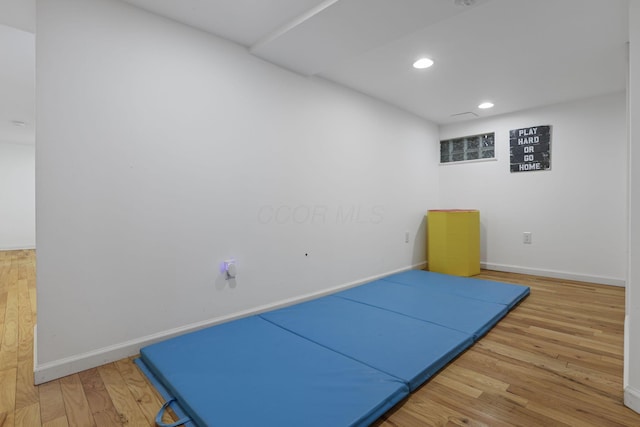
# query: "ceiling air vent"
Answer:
x=464 y=116
x=464 y=2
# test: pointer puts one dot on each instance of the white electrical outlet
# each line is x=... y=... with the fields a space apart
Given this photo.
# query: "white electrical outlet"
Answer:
x=526 y=237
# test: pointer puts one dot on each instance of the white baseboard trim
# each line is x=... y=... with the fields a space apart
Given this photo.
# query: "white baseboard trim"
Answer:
x=70 y=365
x=35 y=345
x=625 y=358
x=612 y=281
x=16 y=248
x=632 y=398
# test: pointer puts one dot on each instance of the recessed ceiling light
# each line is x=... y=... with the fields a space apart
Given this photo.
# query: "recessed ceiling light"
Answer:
x=18 y=123
x=464 y=2
x=485 y=105
x=423 y=63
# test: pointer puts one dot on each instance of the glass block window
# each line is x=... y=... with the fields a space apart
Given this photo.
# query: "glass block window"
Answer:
x=475 y=147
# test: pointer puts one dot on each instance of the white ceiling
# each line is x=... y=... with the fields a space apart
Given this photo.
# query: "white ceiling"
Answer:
x=17 y=85
x=17 y=70
x=19 y=14
x=517 y=53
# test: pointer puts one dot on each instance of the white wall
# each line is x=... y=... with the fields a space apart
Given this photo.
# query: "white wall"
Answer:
x=576 y=212
x=632 y=320
x=163 y=151
x=17 y=196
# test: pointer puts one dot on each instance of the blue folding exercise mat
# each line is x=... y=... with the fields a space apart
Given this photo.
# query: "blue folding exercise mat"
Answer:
x=185 y=420
x=406 y=348
x=484 y=290
x=340 y=360
x=250 y=372
x=470 y=316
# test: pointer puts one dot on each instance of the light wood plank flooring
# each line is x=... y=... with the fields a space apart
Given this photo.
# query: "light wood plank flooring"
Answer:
x=555 y=360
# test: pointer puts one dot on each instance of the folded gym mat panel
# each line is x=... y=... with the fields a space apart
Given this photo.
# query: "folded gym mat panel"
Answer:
x=249 y=371
x=406 y=348
x=473 y=317
x=340 y=360
x=484 y=290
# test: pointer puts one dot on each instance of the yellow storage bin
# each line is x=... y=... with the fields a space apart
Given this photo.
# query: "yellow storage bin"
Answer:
x=453 y=241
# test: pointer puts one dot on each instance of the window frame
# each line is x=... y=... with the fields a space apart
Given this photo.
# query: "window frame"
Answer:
x=470 y=144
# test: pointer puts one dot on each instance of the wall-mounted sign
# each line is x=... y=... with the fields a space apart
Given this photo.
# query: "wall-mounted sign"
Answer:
x=530 y=149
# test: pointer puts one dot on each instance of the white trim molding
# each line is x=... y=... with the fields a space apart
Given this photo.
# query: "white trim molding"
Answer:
x=17 y=248
x=70 y=365
x=632 y=398
x=625 y=372
x=611 y=281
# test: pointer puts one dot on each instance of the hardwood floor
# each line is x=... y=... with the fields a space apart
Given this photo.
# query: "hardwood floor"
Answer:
x=115 y=394
x=556 y=359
